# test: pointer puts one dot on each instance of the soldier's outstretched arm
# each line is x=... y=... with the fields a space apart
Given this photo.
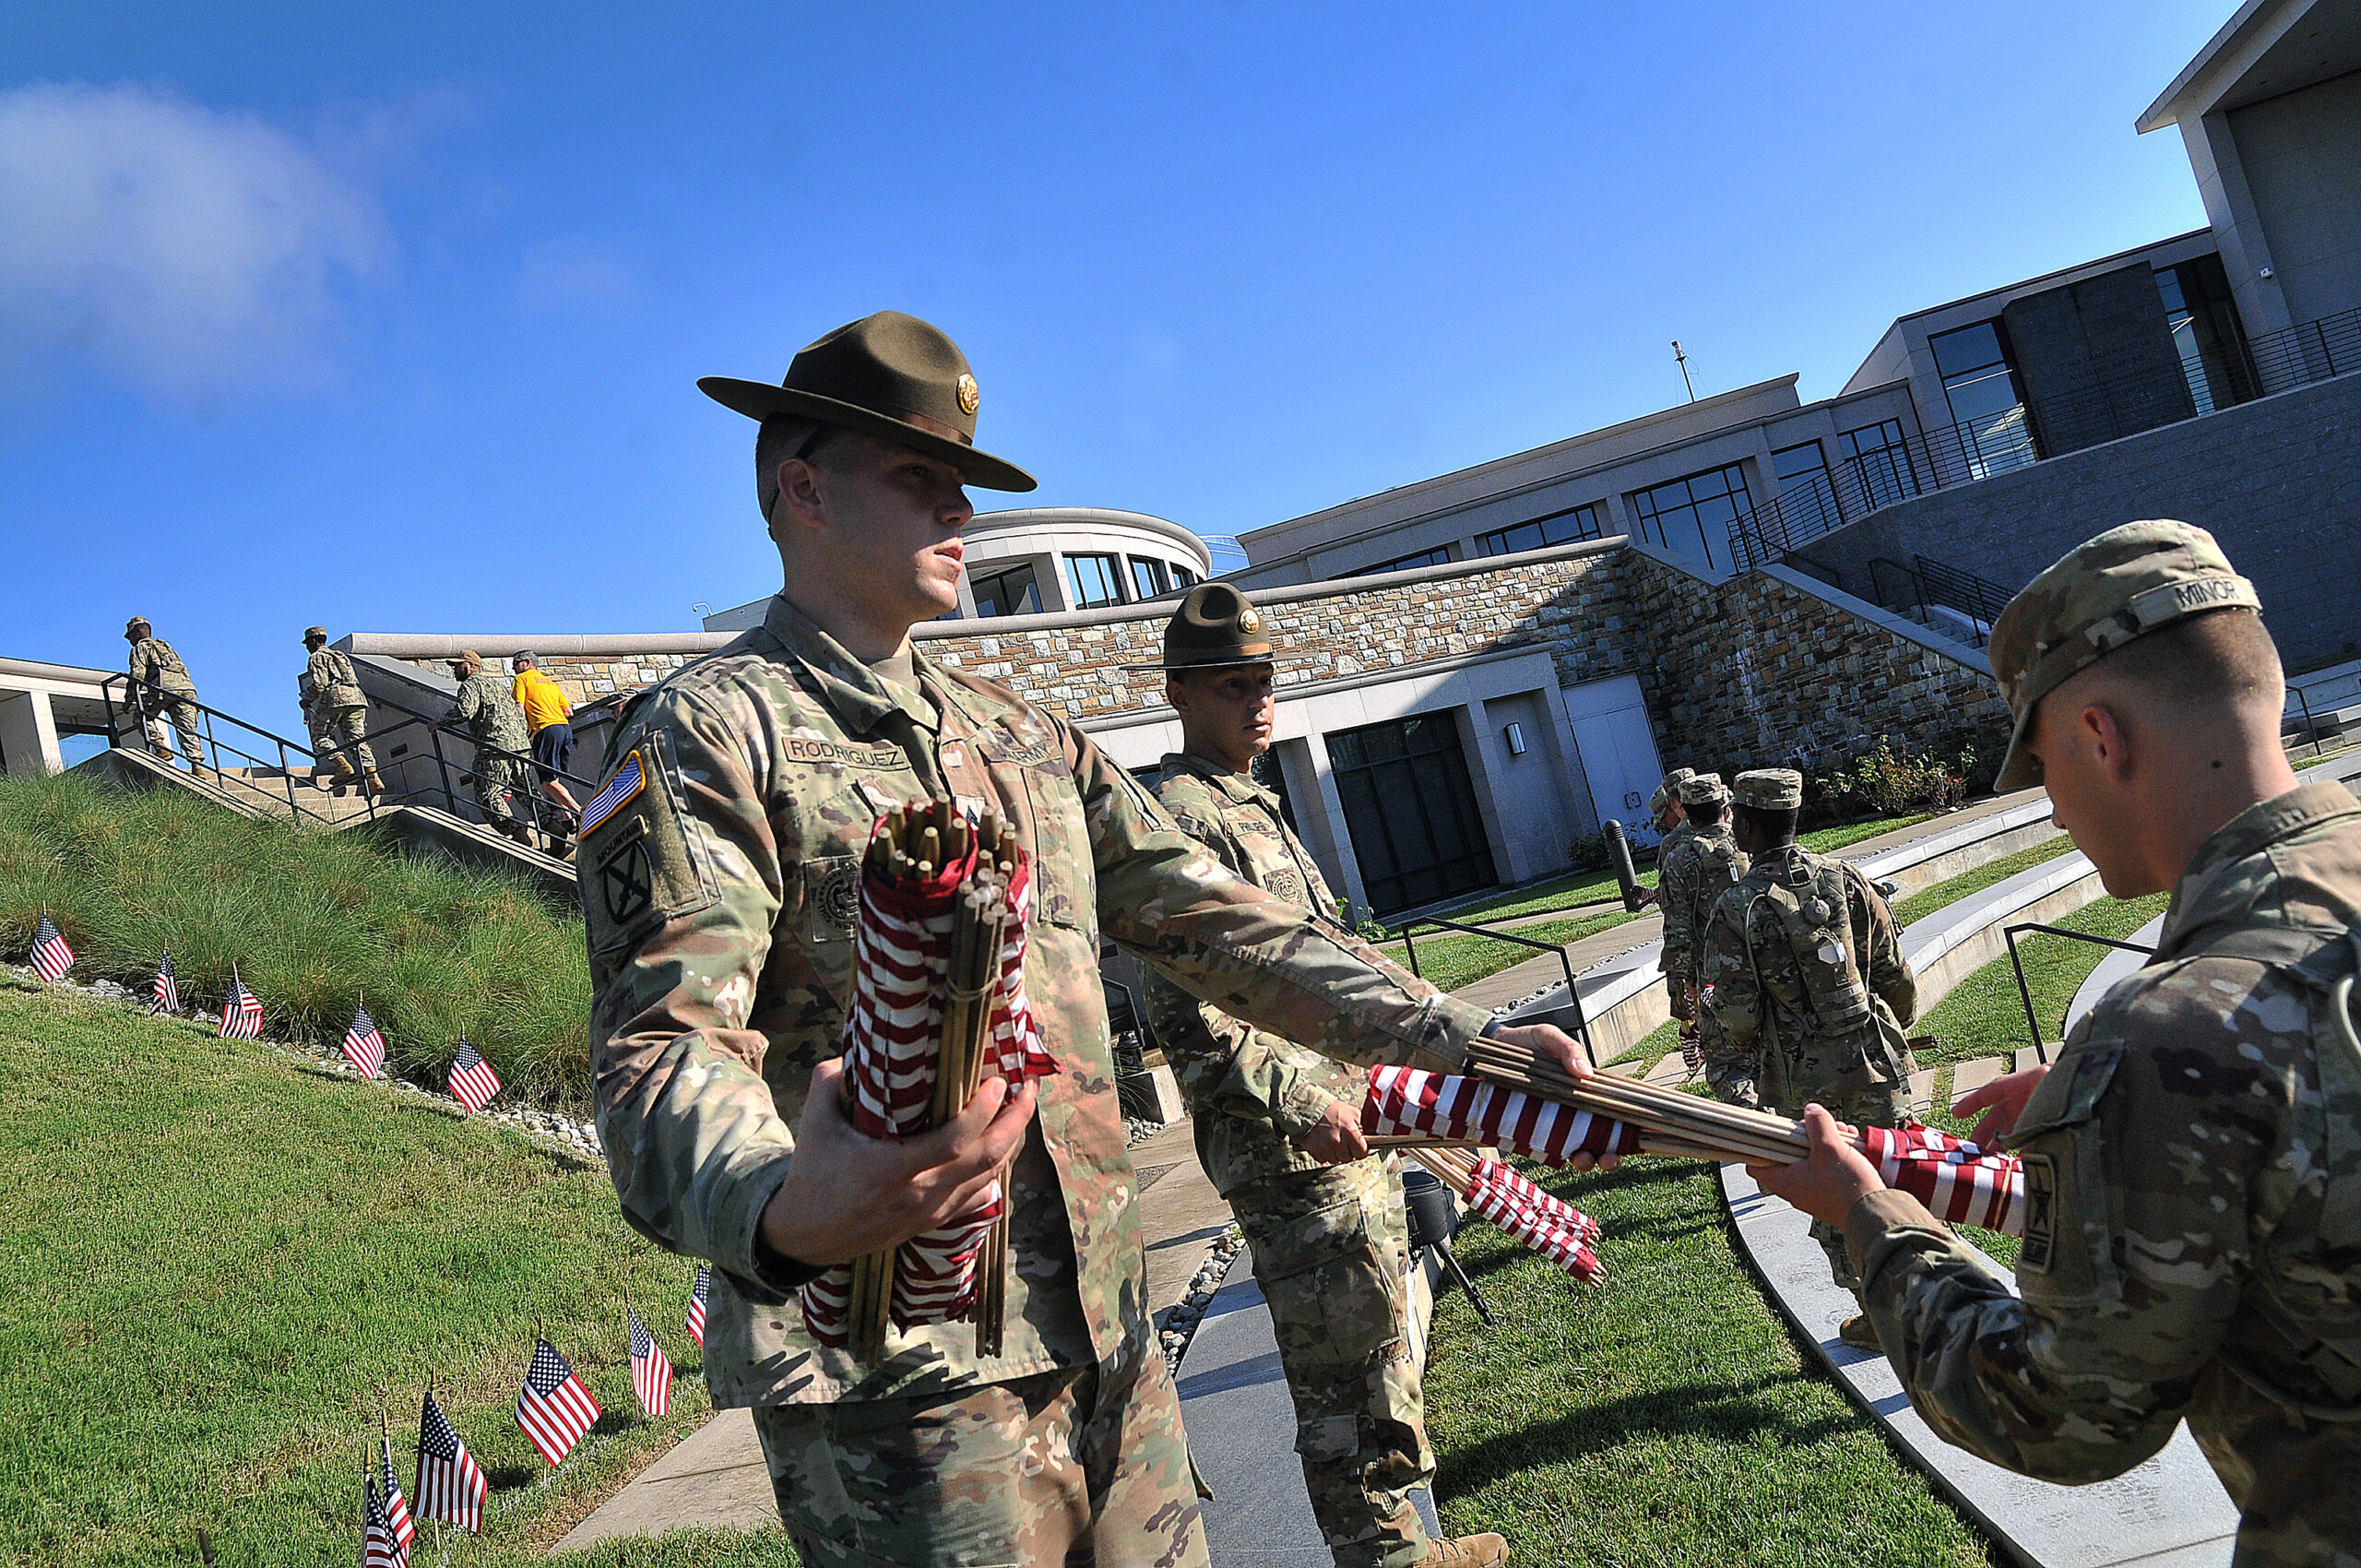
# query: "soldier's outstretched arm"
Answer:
x=1883 y=964
x=1234 y=1068
x=1738 y=1000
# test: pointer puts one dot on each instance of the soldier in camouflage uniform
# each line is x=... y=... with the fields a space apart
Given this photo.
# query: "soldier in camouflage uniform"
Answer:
x=340 y=712
x=2192 y=1158
x=488 y=709
x=161 y=688
x=1671 y=824
x=1706 y=865
x=1278 y=1130
x=720 y=884
x=1808 y=978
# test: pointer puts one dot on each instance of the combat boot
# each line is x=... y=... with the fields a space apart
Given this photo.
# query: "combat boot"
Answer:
x=1468 y=1552
x=1860 y=1333
x=372 y=785
x=341 y=780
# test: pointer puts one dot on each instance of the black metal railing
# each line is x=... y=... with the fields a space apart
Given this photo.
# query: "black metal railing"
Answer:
x=1573 y=996
x=137 y=714
x=2016 y=961
x=1926 y=583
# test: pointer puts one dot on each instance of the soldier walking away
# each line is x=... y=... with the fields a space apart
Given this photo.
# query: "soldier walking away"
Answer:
x=719 y=889
x=340 y=713
x=551 y=719
x=497 y=726
x=1694 y=876
x=1278 y=1130
x=2192 y=1157
x=1808 y=978
x=161 y=688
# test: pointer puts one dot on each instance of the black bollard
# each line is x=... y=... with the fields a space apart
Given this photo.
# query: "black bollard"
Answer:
x=1619 y=855
x=1434 y=1219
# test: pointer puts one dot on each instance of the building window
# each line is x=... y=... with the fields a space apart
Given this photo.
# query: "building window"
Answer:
x=1807 y=498
x=1148 y=578
x=1439 y=556
x=1411 y=810
x=2206 y=334
x=1877 y=461
x=1013 y=592
x=1987 y=409
x=1558 y=528
x=1687 y=515
x=1183 y=578
x=1095 y=580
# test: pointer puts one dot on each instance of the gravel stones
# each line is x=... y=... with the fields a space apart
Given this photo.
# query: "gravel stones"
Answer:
x=1181 y=1323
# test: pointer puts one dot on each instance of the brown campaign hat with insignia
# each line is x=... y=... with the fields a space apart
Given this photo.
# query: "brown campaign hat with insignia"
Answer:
x=1215 y=628
x=311 y=632
x=889 y=375
x=1770 y=789
x=1701 y=789
x=2104 y=592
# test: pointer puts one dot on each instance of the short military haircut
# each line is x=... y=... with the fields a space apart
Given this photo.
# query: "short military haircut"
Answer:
x=2222 y=659
x=1705 y=814
x=1776 y=824
x=782 y=437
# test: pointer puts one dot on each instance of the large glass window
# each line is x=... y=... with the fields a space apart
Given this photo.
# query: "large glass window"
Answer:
x=1687 y=516
x=1558 y=528
x=1987 y=409
x=1013 y=592
x=1807 y=498
x=1148 y=578
x=1877 y=460
x=2206 y=333
x=1411 y=810
x=1183 y=578
x=1440 y=556
x=1095 y=580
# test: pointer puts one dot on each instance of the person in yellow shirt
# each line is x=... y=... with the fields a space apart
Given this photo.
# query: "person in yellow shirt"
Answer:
x=551 y=718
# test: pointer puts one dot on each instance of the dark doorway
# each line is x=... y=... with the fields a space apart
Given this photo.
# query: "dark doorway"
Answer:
x=1411 y=810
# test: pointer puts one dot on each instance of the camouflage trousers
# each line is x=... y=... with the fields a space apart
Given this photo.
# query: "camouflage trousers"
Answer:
x=344 y=727
x=1077 y=1468
x=1728 y=1069
x=1332 y=1254
x=185 y=718
x=1856 y=1095
x=498 y=780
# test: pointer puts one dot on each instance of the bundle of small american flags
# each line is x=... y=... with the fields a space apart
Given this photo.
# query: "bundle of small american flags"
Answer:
x=1548 y=1225
x=1958 y=1182
x=51 y=957
x=1415 y=1102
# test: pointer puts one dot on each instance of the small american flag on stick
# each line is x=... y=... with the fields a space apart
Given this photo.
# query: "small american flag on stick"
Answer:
x=378 y=1548
x=240 y=1011
x=364 y=1046
x=164 y=996
x=553 y=1408
x=450 y=1483
x=651 y=1370
x=696 y=1303
x=396 y=1508
x=472 y=1080
x=51 y=957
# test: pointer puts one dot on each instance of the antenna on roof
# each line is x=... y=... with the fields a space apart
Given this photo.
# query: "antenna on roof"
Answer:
x=1681 y=358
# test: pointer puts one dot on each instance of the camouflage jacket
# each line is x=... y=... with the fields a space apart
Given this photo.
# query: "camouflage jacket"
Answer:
x=2192 y=1244
x=491 y=714
x=332 y=681
x=719 y=891
x=154 y=663
x=1249 y=1092
x=1773 y=969
x=1694 y=876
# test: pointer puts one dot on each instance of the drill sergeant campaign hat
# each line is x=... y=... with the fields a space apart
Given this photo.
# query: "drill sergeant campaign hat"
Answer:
x=1770 y=789
x=1217 y=627
x=889 y=375
x=2104 y=592
x=1702 y=789
x=1664 y=791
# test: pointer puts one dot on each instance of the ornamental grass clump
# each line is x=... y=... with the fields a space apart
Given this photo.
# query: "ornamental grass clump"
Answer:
x=313 y=922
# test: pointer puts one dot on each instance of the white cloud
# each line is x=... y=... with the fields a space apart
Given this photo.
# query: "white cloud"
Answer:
x=187 y=251
x=569 y=271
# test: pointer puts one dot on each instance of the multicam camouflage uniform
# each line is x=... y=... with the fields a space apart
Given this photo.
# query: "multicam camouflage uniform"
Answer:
x=488 y=708
x=164 y=689
x=718 y=889
x=1332 y=1245
x=1808 y=978
x=342 y=710
x=1708 y=864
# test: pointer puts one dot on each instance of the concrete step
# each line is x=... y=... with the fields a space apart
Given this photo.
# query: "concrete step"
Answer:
x=1922 y=1091
x=1976 y=1074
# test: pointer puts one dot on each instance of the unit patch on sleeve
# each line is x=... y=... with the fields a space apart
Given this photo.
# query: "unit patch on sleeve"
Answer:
x=628 y=781
x=2040 y=1245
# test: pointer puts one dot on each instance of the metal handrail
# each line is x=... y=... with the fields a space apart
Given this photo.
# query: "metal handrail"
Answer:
x=2033 y=1020
x=436 y=728
x=128 y=707
x=1573 y=996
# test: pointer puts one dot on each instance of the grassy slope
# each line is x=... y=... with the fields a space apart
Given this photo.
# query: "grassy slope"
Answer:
x=219 y=1261
x=1453 y=961
x=312 y=922
x=1667 y=1419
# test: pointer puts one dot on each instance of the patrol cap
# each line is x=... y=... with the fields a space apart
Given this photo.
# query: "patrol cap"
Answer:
x=1664 y=791
x=1770 y=788
x=1217 y=627
x=1701 y=789
x=136 y=624
x=467 y=656
x=2104 y=592
x=319 y=631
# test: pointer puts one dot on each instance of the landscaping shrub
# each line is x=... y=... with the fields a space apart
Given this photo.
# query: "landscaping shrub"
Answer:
x=1891 y=778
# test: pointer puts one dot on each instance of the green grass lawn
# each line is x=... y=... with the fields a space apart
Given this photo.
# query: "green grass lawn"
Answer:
x=220 y=1262
x=1451 y=962
x=1667 y=1419
x=313 y=922
x=1927 y=900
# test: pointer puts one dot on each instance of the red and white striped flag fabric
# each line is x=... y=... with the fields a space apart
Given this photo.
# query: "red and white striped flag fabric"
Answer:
x=164 y=996
x=450 y=1483
x=241 y=1012
x=893 y=1039
x=1413 y=1101
x=651 y=1370
x=472 y=1080
x=377 y=1548
x=364 y=1046
x=553 y=1408
x=1544 y=1222
x=697 y=1293
x=396 y=1509
x=51 y=957
x=1958 y=1181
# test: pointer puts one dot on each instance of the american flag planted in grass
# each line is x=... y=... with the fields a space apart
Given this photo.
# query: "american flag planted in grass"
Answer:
x=554 y=1408
x=364 y=1046
x=396 y=1509
x=1412 y=1101
x=472 y=1080
x=51 y=957
x=450 y=1483
x=697 y=1293
x=651 y=1371
x=377 y=1548
x=164 y=995
x=241 y=1012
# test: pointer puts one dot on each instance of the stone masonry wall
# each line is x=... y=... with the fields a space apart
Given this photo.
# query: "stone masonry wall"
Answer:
x=585 y=682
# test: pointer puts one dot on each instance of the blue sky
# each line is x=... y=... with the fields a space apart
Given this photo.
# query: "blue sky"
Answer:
x=388 y=317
